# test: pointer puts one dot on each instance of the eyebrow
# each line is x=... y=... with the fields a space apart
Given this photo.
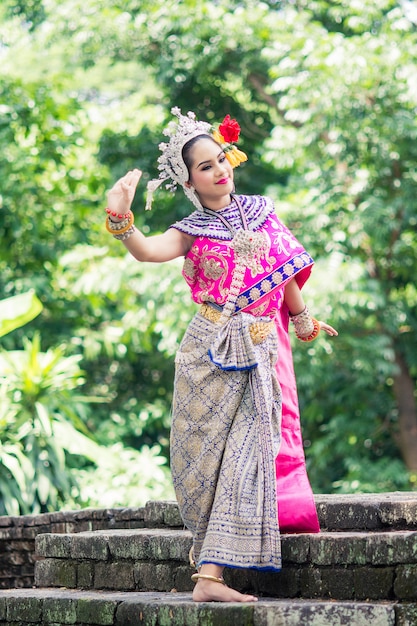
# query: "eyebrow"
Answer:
x=210 y=160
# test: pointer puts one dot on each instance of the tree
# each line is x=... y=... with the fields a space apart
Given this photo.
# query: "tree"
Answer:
x=328 y=120
x=356 y=146
x=341 y=120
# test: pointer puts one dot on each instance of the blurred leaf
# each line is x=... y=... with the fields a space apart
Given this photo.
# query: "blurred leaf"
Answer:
x=17 y=311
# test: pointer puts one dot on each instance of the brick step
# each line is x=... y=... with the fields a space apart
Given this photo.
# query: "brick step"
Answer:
x=337 y=565
x=81 y=608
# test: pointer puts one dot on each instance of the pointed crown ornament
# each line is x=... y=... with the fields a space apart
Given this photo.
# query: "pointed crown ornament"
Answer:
x=172 y=168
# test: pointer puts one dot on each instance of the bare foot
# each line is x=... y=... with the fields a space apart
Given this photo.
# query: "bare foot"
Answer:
x=209 y=591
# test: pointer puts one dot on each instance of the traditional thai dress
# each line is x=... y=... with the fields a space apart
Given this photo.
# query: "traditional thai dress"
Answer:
x=296 y=507
x=228 y=404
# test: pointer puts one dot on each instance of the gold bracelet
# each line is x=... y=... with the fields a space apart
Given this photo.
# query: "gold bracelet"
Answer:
x=314 y=334
x=118 y=225
x=120 y=231
x=127 y=234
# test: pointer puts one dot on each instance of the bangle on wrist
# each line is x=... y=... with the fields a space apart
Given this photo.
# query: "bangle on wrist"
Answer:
x=117 y=225
x=119 y=228
x=111 y=214
x=314 y=334
x=128 y=233
x=306 y=327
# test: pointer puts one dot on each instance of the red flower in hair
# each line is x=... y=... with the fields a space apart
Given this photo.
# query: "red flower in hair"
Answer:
x=229 y=129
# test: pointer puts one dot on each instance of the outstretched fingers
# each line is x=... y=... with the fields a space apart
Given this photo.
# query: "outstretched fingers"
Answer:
x=328 y=329
x=120 y=196
x=132 y=177
x=129 y=182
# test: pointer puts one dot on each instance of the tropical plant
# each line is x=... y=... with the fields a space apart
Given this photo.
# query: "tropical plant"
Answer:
x=17 y=311
x=325 y=93
x=37 y=388
x=44 y=442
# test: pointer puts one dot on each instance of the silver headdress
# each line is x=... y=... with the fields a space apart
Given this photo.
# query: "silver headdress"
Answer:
x=172 y=169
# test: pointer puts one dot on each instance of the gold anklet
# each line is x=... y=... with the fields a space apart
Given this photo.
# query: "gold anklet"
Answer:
x=195 y=578
x=191 y=557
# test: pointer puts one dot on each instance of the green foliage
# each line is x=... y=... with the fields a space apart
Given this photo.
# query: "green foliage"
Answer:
x=47 y=457
x=17 y=311
x=36 y=389
x=125 y=477
x=131 y=341
x=355 y=147
x=326 y=96
x=349 y=414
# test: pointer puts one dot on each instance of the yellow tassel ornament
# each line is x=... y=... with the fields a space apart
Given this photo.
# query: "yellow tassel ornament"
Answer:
x=227 y=134
x=235 y=156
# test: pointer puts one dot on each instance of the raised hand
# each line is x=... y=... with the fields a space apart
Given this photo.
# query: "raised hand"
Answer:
x=120 y=196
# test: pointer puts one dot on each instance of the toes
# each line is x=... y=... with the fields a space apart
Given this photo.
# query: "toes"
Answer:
x=213 y=592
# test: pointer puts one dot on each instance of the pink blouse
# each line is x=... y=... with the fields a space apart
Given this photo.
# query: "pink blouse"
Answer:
x=209 y=264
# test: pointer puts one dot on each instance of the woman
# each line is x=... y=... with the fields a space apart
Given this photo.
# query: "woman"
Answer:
x=242 y=265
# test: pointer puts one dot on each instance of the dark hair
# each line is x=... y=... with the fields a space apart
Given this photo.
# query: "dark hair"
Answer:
x=187 y=147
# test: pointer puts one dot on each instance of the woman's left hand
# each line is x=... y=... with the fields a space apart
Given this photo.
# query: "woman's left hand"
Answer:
x=328 y=329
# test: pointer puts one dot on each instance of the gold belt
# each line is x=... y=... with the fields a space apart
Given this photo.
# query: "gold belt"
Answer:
x=259 y=331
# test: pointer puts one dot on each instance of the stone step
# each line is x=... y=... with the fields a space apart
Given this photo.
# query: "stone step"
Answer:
x=338 y=565
x=370 y=512
x=373 y=511
x=54 y=607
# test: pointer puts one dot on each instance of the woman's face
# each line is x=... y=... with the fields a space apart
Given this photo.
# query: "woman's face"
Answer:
x=211 y=173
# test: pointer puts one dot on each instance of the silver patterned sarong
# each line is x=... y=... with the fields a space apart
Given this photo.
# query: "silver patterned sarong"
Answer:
x=224 y=440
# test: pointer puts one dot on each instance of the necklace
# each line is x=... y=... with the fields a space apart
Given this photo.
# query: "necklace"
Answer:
x=249 y=247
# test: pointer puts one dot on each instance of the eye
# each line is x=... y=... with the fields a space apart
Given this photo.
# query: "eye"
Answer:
x=206 y=167
x=222 y=158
